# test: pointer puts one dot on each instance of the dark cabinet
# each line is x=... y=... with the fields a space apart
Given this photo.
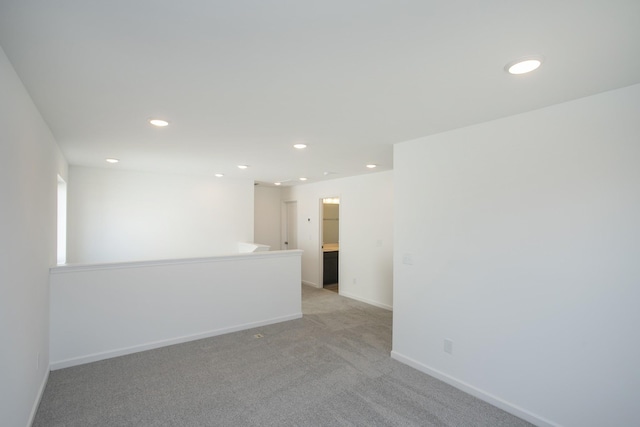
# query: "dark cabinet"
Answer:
x=330 y=272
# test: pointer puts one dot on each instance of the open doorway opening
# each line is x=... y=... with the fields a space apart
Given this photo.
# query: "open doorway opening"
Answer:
x=330 y=208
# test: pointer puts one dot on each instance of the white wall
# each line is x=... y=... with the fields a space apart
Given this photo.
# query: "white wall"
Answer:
x=104 y=311
x=366 y=234
x=29 y=164
x=267 y=218
x=117 y=215
x=524 y=237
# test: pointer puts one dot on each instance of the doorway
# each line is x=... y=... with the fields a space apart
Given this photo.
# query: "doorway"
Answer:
x=330 y=259
x=290 y=226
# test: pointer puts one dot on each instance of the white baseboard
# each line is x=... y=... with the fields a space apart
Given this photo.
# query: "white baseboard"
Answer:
x=36 y=404
x=368 y=301
x=61 y=364
x=315 y=285
x=474 y=391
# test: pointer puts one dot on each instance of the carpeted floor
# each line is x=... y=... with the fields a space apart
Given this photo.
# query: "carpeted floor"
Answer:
x=330 y=368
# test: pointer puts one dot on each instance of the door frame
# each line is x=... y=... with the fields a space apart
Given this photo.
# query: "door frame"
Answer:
x=321 y=238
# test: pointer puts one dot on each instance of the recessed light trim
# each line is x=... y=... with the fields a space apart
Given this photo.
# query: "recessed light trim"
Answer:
x=277 y=183
x=159 y=122
x=372 y=166
x=243 y=166
x=111 y=160
x=300 y=146
x=303 y=178
x=523 y=65
x=219 y=175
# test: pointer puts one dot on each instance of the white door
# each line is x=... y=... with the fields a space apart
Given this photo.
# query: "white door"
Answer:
x=291 y=226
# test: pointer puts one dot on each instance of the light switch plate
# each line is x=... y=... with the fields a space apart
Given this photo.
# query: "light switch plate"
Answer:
x=407 y=259
x=448 y=346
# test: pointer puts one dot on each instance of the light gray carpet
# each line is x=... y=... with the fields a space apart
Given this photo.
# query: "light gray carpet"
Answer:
x=330 y=368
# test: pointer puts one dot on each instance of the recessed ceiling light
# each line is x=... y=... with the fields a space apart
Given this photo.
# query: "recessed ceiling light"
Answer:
x=372 y=166
x=277 y=183
x=303 y=179
x=159 y=122
x=523 y=65
x=219 y=175
x=243 y=166
x=299 y=146
x=111 y=160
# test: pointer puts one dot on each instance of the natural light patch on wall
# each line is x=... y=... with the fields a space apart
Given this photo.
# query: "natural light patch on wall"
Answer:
x=62 y=221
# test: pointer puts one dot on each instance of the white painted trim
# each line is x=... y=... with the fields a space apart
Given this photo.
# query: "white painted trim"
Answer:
x=312 y=284
x=36 y=404
x=474 y=391
x=68 y=268
x=366 y=301
x=163 y=343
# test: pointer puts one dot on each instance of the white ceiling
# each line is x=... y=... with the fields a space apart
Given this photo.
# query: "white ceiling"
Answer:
x=241 y=81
